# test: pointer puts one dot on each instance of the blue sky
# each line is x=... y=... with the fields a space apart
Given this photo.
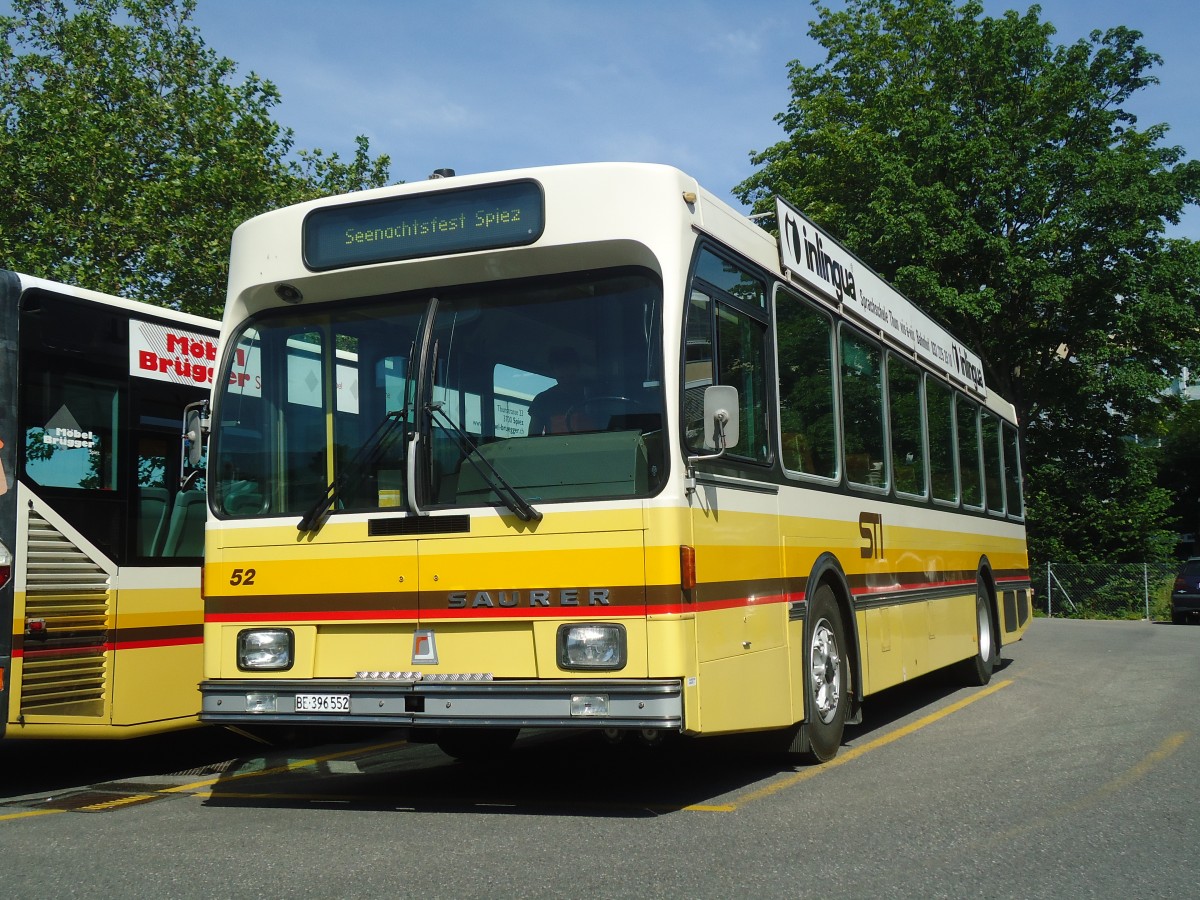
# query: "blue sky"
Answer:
x=479 y=86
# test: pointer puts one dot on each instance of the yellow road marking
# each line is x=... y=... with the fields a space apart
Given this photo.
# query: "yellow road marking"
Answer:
x=29 y=813
x=115 y=803
x=1164 y=750
x=1135 y=773
x=292 y=766
x=849 y=755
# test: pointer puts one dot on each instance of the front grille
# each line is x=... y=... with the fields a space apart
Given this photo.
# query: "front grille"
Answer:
x=419 y=525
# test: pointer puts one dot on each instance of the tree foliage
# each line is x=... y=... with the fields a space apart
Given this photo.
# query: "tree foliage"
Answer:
x=1179 y=469
x=999 y=180
x=131 y=151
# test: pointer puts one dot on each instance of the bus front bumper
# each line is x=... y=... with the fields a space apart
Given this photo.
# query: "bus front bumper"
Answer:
x=617 y=703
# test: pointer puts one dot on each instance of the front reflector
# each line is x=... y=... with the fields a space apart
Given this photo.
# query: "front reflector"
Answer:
x=261 y=703
x=589 y=705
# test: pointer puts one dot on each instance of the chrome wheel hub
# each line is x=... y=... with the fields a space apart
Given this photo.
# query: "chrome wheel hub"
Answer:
x=826 y=675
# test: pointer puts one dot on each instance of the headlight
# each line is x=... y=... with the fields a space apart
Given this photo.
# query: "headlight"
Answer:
x=591 y=646
x=265 y=649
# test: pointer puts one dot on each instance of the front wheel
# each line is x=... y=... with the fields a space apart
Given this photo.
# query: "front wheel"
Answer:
x=827 y=676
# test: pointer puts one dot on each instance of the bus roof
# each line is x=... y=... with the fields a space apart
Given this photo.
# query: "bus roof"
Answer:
x=27 y=282
x=584 y=202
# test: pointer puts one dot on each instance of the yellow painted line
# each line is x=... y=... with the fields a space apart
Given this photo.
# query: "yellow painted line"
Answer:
x=314 y=799
x=115 y=804
x=30 y=813
x=1126 y=779
x=848 y=756
x=276 y=770
x=1166 y=749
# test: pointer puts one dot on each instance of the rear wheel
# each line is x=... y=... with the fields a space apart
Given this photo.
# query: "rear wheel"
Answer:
x=827 y=676
x=977 y=670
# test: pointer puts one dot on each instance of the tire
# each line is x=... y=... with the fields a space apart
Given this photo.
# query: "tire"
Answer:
x=476 y=744
x=826 y=677
x=977 y=671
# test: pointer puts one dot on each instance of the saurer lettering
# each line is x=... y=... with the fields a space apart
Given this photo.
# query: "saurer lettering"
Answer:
x=493 y=599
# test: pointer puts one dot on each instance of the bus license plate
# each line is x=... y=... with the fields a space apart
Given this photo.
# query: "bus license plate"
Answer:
x=330 y=703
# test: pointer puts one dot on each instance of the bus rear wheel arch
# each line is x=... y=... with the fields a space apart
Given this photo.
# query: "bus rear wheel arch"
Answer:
x=977 y=670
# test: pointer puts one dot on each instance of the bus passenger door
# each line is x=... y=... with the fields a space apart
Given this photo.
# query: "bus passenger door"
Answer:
x=741 y=622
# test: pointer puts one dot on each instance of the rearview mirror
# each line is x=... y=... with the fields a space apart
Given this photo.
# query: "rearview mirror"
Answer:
x=720 y=417
x=195 y=435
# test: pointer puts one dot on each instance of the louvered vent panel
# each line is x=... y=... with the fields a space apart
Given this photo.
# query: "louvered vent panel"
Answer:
x=65 y=673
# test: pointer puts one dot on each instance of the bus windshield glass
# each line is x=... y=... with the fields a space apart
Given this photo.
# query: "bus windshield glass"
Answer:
x=554 y=385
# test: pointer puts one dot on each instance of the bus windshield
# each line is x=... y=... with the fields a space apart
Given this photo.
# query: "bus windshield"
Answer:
x=554 y=385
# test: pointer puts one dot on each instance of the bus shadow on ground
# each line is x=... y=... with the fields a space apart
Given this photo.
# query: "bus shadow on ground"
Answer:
x=923 y=695
x=547 y=773
x=30 y=767
x=543 y=774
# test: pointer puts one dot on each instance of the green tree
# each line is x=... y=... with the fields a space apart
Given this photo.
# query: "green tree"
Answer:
x=130 y=151
x=998 y=179
x=1179 y=467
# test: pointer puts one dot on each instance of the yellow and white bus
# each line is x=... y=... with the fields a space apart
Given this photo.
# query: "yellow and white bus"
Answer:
x=100 y=536
x=770 y=488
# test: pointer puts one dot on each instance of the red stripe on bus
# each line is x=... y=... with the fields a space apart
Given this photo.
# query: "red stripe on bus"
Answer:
x=106 y=647
x=501 y=612
x=907 y=587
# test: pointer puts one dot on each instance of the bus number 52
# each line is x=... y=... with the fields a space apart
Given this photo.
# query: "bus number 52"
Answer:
x=242 y=577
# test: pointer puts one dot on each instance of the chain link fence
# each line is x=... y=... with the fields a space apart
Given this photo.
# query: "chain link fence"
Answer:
x=1105 y=590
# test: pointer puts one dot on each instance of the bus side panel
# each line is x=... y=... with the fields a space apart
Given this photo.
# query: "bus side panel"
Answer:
x=9 y=292
x=746 y=692
x=742 y=616
x=157 y=647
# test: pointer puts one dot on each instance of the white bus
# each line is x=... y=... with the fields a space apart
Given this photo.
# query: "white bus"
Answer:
x=100 y=536
x=771 y=486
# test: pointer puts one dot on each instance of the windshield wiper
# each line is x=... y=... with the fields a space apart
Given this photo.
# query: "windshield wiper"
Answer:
x=362 y=462
x=508 y=494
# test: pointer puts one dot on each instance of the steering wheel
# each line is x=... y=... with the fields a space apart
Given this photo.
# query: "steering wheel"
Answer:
x=628 y=404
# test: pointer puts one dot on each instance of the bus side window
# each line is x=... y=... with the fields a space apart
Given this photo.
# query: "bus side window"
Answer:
x=862 y=410
x=907 y=429
x=993 y=463
x=741 y=356
x=153 y=502
x=939 y=401
x=698 y=367
x=185 y=530
x=71 y=433
x=807 y=405
x=1012 y=472
x=967 y=416
x=726 y=344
